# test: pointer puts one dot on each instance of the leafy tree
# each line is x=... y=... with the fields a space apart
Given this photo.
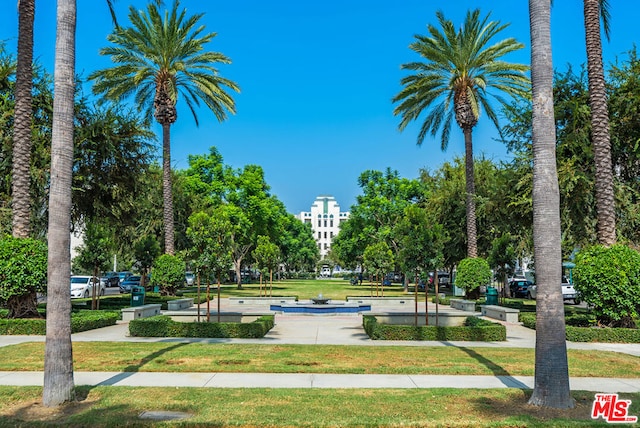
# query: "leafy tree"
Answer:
x=23 y=273
x=157 y=59
x=168 y=273
x=551 y=387
x=58 y=362
x=608 y=278
x=422 y=242
x=385 y=195
x=93 y=255
x=473 y=272
x=299 y=250
x=378 y=260
x=503 y=258
x=267 y=255
x=454 y=82
x=210 y=236
x=146 y=250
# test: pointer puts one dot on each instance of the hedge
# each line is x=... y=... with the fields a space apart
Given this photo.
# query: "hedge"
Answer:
x=475 y=329
x=80 y=321
x=164 y=326
x=117 y=302
x=580 y=328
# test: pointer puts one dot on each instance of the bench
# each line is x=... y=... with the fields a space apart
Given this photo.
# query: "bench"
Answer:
x=463 y=305
x=144 y=311
x=390 y=301
x=500 y=313
x=180 y=304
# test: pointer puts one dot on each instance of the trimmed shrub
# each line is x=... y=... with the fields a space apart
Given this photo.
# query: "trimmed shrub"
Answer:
x=474 y=330
x=80 y=321
x=446 y=300
x=473 y=272
x=608 y=278
x=168 y=274
x=164 y=326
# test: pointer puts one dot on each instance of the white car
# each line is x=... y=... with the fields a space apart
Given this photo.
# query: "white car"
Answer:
x=568 y=293
x=81 y=286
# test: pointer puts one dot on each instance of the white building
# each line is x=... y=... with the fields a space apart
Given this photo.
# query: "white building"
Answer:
x=325 y=218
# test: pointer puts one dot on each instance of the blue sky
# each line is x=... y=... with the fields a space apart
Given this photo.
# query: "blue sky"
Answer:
x=317 y=80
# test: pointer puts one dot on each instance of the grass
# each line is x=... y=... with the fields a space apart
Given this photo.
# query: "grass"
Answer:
x=122 y=406
x=249 y=358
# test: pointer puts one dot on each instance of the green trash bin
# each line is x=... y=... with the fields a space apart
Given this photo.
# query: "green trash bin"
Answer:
x=492 y=296
x=137 y=296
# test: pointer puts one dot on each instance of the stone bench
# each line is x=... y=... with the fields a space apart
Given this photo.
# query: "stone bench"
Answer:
x=500 y=313
x=180 y=304
x=391 y=300
x=261 y=300
x=463 y=305
x=144 y=311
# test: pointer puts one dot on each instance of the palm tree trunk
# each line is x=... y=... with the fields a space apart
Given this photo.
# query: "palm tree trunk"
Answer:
x=167 y=195
x=605 y=202
x=21 y=203
x=58 y=358
x=551 y=382
x=472 y=235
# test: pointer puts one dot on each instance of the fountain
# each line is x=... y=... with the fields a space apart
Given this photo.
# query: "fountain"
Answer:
x=320 y=305
x=319 y=300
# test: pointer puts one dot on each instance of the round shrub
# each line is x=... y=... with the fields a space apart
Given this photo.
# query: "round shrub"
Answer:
x=608 y=278
x=472 y=273
x=168 y=274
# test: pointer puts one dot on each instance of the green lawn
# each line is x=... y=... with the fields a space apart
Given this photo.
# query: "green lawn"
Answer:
x=122 y=406
x=198 y=357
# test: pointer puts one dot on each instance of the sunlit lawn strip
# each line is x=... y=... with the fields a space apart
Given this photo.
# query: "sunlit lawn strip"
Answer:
x=249 y=358
x=103 y=406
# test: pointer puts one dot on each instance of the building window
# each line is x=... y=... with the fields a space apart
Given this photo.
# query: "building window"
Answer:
x=331 y=235
x=331 y=222
x=325 y=235
x=319 y=223
x=319 y=235
x=325 y=223
x=326 y=246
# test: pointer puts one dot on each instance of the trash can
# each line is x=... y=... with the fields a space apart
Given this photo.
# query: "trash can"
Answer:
x=492 y=296
x=137 y=296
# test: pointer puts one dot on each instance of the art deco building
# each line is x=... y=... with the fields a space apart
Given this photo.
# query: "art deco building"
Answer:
x=325 y=218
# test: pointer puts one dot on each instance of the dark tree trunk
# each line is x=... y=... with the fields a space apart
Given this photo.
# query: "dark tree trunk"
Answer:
x=472 y=235
x=167 y=195
x=600 y=137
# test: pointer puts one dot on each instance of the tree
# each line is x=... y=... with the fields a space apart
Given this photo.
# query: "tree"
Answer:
x=157 y=59
x=21 y=204
x=146 y=250
x=299 y=250
x=454 y=81
x=503 y=258
x=600 y=137
x=267 y=255
x=58 y=362
x=378 y=261
x=93 y=255
x=23 y=273
x=551 y=380
x=422 y=241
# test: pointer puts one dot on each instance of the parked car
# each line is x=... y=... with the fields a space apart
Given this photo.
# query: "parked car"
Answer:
x=123 y=276
x=189 y=278
x=520 y=288
x=131 y=281
x=81 y=286
x=111 y=279
x=568 y=293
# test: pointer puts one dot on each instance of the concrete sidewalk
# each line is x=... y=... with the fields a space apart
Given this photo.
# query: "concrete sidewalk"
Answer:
x=343 y=329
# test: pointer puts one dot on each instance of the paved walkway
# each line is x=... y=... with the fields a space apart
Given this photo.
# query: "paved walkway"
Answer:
x=324 y=330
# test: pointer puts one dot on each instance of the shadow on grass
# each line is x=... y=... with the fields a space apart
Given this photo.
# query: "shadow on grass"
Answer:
x=501 y=374
x=130 y=370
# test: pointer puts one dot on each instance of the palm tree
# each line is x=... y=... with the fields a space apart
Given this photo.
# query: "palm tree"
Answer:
x=455 y=80
x=21 y=197
x=58 y=361
x=551 y=384
x=600 y=138
x=157 y=59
